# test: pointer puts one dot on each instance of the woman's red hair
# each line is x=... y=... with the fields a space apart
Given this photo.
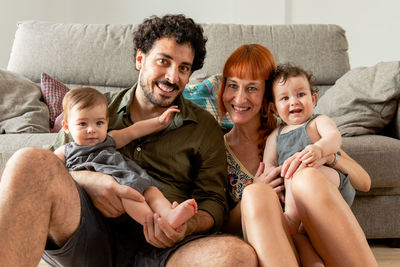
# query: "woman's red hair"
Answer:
x=251 y=62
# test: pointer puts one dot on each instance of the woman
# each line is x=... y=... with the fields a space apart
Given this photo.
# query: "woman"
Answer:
x=334 y=236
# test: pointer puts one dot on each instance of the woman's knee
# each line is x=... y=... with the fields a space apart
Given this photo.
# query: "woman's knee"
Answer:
x=256 y=191
x=309 y=182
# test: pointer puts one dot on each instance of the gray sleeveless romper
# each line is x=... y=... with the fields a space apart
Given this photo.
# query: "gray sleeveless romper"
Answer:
x=105 y=158
x=295 y=141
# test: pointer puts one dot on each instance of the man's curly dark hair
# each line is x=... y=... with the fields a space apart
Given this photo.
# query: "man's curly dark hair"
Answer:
x=182 y=29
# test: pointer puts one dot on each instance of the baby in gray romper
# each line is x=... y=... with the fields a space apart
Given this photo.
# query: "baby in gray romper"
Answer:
x=313 y=136
x=86 y=119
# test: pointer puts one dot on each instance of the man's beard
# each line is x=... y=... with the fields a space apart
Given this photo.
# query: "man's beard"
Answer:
x=152 y=99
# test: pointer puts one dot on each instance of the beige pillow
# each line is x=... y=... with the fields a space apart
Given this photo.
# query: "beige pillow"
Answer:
x=21 y=110
x=364 y=100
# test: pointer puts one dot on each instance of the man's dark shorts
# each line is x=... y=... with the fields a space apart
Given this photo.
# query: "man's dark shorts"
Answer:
x=107 y=242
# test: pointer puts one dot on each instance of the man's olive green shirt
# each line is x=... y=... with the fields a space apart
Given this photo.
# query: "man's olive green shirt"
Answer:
x=187 y=158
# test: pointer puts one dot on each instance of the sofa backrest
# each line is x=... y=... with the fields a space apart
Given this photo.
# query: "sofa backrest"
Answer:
x=102 y=54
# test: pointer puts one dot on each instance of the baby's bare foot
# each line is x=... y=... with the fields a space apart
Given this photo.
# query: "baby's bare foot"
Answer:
x=182 y=213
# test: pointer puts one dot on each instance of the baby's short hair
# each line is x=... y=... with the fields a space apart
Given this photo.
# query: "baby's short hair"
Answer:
x=82 y=97
x=288 y=70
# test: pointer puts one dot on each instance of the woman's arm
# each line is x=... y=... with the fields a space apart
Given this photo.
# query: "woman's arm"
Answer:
x=359 y=178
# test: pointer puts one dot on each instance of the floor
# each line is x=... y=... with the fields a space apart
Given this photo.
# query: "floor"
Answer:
x=385 y=255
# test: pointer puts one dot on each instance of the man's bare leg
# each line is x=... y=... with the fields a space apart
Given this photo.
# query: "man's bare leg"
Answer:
x=224 y=250
x=333 y=230
x=38 y=200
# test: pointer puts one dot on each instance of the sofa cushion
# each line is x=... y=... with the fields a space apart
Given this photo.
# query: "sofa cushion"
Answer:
x=205 y=94
x=53 y=92
x=95 y=54
x=21 y=110
x=364 y=100
x=378 y=155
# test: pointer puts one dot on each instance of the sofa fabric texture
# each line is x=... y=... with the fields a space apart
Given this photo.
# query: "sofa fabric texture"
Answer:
x=21 y=110
x=101 y=56
x=364 y=100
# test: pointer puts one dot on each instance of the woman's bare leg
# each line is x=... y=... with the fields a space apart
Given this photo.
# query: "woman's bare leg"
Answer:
x=329 y=222
x=264 y=226
x=308 y=255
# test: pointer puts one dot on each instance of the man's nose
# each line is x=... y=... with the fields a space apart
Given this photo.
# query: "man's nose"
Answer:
x=172 y=75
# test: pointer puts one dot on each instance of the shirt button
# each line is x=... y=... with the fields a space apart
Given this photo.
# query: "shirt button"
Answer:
x=139 y=148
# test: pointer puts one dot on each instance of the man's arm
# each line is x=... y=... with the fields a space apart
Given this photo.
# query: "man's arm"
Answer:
x=126 y=135
x=105 y=192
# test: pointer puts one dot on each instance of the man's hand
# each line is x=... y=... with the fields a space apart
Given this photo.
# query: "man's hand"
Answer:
x=105 y=192
x=160 y=234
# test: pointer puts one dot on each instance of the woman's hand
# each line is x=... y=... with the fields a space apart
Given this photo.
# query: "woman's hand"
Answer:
x=270 y=177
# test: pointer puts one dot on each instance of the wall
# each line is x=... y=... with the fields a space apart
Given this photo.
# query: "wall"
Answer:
x=371 y=25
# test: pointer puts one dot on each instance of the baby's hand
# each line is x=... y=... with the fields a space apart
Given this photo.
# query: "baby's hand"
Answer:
x=167 y=116
x=310 y=154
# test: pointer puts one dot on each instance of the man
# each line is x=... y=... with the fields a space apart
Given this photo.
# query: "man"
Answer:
x=78 y=217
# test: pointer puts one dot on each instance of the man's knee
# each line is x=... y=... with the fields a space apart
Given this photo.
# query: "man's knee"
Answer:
x=31 y=167
x=223 y=250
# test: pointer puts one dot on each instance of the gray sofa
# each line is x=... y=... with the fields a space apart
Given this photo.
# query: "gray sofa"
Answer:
x=102 y=56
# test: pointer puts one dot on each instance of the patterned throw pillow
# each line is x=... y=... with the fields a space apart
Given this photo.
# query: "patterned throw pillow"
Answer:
x=205 y=94
x=53 y=92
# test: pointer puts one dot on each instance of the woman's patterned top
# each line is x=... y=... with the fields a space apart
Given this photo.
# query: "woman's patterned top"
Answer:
x=238 y=176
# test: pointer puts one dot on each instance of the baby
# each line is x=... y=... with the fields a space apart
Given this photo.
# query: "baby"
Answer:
x=313 y=136
x=86 y=120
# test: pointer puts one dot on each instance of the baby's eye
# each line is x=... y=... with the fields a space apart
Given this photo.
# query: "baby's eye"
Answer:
x=82 y=124
x=285 y=98
x=301 y=94
x=100 y=123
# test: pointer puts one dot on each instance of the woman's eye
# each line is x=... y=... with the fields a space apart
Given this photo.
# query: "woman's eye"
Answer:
x=233 y=86
x=252 y=89
x=285 y=98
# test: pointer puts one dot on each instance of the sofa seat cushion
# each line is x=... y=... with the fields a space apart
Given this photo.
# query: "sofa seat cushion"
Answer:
x=10 y=143
x=379 y=155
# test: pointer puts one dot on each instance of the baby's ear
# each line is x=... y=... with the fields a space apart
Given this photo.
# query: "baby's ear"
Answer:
x=314 y=98
x=65 y=127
